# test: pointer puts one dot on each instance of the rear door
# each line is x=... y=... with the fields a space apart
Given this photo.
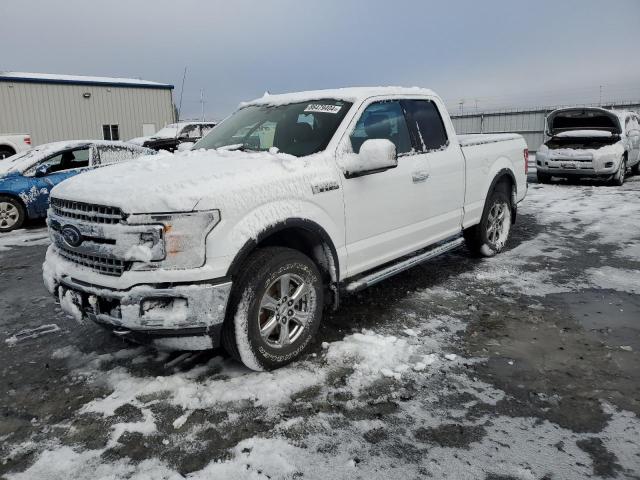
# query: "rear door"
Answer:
x=446 y=183
x=385 y=212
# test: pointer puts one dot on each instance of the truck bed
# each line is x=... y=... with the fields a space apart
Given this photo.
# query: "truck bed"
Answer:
x=483 y=138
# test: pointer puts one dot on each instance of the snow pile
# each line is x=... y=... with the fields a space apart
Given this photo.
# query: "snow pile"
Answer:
x=23 y=238
x=371 y=355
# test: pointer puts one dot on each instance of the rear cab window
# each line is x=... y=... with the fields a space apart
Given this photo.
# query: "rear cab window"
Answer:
x=426 y=125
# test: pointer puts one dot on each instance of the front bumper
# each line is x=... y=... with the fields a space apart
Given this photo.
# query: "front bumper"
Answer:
x=174 y=317
x=573 y=167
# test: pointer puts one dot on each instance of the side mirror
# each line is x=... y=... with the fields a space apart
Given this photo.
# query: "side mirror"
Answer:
x=376 y=155
x=42 y=170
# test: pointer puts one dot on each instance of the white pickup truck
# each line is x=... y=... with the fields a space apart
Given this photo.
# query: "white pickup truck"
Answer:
x=291 y=202
x=12 y=143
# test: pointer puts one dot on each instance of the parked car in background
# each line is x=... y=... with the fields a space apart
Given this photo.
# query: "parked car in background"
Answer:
x=590 y=142
x=27 y=178
x=175 y=134
x=12 y=143
x=289 y=203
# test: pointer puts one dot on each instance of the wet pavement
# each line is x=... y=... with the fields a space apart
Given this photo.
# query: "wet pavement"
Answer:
x=523 y=366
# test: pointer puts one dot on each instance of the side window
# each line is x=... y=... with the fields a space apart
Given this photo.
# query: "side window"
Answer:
x=68 y=160
x=206 y=128
x=382 y=120
x=428 y=124
x=190 y=131
x=111 y=154
x=111 y=132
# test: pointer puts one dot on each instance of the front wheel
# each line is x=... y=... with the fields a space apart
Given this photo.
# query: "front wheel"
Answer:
x=619 y=177
x=275 y=308
x=491 y=234
x=12 y=214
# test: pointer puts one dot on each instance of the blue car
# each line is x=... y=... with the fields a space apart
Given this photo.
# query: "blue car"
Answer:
x=27 y=178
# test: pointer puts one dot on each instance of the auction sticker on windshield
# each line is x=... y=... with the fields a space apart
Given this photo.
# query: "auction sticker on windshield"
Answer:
x=318 y=108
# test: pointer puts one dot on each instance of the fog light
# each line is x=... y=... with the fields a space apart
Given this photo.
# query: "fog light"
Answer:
x=164 y=310
x=608 y=165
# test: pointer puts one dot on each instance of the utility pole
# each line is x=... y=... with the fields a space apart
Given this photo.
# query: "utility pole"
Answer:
x=600 y=95
x=202 y=102
x=461 y=106
x=184 y=76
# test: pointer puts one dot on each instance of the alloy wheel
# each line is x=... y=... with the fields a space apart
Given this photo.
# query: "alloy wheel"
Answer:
x=285 y=310
x=9 y=215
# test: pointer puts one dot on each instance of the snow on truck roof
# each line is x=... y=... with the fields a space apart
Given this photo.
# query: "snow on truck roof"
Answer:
x=350 y=94
x=28 y=77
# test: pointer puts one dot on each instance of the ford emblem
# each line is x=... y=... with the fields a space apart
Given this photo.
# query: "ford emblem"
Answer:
x=71 y=235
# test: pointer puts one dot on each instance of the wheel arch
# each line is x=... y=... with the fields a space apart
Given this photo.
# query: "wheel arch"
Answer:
x=299 y=234
x=506 y=176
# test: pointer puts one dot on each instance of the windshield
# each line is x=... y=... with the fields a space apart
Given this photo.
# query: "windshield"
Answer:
x=20 y=161
x=298 y=129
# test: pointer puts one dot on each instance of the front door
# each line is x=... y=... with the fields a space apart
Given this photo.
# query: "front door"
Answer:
x=385 y=212
x=60 y=167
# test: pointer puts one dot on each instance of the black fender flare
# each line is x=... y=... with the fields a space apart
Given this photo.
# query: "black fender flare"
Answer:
x=301 y=223
x=506 y=172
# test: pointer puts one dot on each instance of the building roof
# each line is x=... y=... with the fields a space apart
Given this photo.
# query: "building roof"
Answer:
x=79 y=80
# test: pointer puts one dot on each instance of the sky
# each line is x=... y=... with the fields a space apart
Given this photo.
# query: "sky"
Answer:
x=476 y=54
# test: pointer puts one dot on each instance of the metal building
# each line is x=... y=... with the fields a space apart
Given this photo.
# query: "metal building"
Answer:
x=530 y=123
x=66 y=107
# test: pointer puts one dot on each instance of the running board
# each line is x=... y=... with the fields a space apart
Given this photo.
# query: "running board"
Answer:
x=401 y=266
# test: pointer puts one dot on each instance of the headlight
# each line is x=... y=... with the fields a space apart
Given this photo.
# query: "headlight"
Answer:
x=184 y=237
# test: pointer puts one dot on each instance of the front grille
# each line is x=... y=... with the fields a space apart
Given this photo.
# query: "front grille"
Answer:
x=101 y=264
x=86 y=211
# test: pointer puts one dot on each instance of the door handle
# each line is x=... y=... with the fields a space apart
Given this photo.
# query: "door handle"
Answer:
x=419 y=176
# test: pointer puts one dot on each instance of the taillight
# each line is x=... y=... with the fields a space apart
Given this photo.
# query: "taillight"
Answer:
x=526 y=160
x=27 y=140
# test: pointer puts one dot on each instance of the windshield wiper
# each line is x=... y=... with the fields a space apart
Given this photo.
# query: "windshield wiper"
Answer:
x=240 y=147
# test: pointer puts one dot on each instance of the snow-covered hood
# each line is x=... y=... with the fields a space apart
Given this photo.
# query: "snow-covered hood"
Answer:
x=194 y=180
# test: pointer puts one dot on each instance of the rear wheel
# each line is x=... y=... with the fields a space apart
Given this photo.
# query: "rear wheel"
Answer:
x=6 y=152
x=491 y=234
x=275 y=308
x=619 y=177
x=636 y=168
x=543 y=177
x=12 y=214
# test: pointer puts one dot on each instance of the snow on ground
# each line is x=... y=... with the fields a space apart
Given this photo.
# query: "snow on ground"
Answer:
x=395 y=399
x=23 y=238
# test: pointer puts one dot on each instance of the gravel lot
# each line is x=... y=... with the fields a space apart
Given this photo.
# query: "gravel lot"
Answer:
x=523 y=366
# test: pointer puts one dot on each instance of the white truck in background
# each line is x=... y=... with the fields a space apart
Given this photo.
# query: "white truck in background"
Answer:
x=12 y=143
x=289 y=203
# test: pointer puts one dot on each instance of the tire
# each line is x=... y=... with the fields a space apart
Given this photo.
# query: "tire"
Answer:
x=6 y=152
x=490 y=236
x=12 y=214
x=543 y=177
x=261 y=313
x=618 y=179
x=636 y=168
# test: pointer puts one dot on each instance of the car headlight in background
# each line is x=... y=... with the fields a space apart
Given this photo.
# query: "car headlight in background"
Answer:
x=184 y=236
